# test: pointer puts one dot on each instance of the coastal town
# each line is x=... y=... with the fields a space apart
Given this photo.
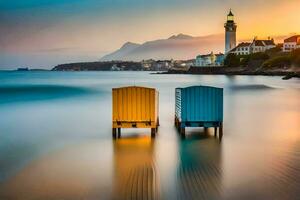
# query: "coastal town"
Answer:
x=255 y=57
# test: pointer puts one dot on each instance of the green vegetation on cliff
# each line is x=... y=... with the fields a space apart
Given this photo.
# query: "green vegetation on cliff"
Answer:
x=99 y=66
x=273 y=62
x=271 y=59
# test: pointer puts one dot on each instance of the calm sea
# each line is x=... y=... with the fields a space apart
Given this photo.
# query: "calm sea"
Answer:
x=55 y=140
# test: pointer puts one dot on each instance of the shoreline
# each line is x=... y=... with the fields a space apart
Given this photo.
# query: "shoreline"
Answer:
x=286 y=74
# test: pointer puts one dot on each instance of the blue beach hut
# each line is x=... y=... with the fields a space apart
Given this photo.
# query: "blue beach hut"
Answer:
x=199 y=106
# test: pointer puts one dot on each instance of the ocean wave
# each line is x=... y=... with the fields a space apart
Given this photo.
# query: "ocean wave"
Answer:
x=251 y=87
x=17 y=93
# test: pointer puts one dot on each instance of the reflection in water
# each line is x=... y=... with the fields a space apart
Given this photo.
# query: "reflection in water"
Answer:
x=81 y=171
x=280 y=180
x=53 y=147
x=200 y=171
x=134 y=168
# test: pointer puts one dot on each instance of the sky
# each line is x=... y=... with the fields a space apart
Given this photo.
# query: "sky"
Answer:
x=44 y=33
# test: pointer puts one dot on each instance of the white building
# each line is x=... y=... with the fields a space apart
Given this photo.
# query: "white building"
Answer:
x=209 y=60
x=230 y=33
x=242 y=49
x=291 y=43
x=115 y=68
x=261 y=45
x=246 y=48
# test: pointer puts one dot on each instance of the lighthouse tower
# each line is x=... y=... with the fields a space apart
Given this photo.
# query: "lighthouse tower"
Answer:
x=230 y=33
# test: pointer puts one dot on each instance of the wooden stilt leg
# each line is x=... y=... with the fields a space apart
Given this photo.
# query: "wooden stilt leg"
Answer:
x=221 y=131
x=153 y=130
x=119 y=132
x=114 y=133
x=182 y=131
x=178 y=126
x=215 y=132
x=205 y=129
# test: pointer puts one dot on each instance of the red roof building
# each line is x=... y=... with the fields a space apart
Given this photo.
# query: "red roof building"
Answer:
x=291 y=43
x=246 y=48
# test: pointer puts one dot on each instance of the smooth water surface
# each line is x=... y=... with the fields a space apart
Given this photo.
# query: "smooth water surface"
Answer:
x=55 y=140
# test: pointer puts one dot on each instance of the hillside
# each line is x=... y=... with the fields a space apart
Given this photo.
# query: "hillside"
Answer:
x=178 y=47
x=98 y=66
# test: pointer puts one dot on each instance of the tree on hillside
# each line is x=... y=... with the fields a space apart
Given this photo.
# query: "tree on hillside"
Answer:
x=232 y=60
x=259 y=56
x=274 y=50
x=295 y=57
x=278 y=61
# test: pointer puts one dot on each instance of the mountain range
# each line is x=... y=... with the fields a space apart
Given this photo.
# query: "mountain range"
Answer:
x=178 y=47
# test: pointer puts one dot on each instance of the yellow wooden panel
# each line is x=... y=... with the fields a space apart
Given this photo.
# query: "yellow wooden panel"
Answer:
x=143 y=105
x=139 y=102
x=148 y=105
x=129 y=105
x=152 y=99
x=123 y=94
x=114 y=104
x=120 y=111
x=135 y=104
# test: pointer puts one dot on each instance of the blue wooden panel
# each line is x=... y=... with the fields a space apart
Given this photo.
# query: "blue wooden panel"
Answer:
x=178 y=103
x=199 y=104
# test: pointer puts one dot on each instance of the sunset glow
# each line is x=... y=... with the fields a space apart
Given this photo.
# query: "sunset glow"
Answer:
x=35 y=32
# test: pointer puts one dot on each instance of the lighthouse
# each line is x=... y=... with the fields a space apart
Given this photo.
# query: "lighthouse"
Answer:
x=230 y=32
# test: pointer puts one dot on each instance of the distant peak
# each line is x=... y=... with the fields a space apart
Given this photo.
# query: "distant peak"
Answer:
x=180 y=36
x=129 y=44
